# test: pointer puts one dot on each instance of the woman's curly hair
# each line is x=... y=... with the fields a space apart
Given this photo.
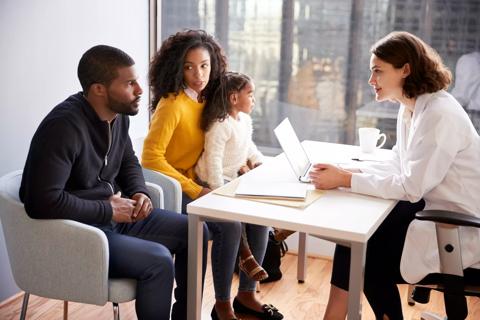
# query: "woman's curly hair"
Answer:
x=427 y=72
x=218 y=106
x=166 y=67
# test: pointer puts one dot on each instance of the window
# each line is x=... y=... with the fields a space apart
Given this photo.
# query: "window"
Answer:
x=310 y=58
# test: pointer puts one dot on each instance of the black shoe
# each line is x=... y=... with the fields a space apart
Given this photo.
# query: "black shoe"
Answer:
x=215 y=315
x=268 y=312
x=421 y=294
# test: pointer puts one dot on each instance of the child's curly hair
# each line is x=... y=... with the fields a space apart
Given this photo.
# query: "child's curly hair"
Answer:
x=218 y=106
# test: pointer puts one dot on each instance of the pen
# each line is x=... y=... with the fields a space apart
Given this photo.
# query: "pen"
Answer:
x=357 y=159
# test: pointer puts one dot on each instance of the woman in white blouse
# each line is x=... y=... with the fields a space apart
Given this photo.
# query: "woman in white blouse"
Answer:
x=436 y=166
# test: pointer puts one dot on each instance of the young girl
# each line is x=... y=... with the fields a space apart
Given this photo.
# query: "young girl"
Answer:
x=183 y=75
x=229 y=150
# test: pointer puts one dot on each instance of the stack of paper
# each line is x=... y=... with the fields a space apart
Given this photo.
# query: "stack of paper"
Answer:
x=228 y=190
x=272 y=190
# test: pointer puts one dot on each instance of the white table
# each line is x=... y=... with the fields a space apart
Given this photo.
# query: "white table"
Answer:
x=339 y=216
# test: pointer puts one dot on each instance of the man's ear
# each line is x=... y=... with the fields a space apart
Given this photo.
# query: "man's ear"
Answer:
x=406 y=70
x=233 y=98
x=98 y=89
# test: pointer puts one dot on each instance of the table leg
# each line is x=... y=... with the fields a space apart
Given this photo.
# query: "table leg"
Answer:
x=357 y=271
x=302 y=257
x=194 y=295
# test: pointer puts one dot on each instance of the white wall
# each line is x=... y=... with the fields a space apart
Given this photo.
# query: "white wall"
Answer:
x=41 y=42
x=315 y=246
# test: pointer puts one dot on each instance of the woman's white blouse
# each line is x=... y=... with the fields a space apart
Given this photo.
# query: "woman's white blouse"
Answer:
x=439 y=162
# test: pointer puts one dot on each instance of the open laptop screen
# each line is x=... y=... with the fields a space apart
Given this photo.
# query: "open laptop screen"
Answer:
x=292 y=148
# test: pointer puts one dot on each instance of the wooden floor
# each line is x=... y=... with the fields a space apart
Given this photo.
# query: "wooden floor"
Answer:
x=296 y=301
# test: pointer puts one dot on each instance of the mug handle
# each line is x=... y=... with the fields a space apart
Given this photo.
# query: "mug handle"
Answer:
x=382 y=135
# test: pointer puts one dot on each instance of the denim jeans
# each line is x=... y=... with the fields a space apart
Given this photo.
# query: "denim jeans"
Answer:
x=143 y=250
x=257 y=238
x=226 y=240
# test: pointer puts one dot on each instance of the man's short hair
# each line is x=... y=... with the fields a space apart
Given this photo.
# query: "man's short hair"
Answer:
x=100 y=64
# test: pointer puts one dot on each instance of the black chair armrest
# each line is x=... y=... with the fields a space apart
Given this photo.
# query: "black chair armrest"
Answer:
x=448 y=217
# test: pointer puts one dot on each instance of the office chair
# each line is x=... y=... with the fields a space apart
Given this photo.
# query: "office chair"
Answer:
x=60 y=259
x=454 y=281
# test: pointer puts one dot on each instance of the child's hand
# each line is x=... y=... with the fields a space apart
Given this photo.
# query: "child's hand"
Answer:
x=257 y=164
x=244 y=169
x=253 y=165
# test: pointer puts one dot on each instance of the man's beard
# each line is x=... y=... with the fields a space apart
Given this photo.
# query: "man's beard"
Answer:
x=130 y=108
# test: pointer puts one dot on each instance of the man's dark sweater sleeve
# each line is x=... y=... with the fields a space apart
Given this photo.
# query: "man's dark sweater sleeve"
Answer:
x=130 y=178
x=52 y=154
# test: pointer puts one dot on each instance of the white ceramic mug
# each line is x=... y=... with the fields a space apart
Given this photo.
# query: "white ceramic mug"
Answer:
x=369 y=139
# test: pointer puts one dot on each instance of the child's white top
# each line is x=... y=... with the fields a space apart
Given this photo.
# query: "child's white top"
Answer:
x=228 y=146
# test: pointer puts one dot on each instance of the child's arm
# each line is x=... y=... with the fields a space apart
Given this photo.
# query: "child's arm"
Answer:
x=215 y=140
x=254 y=156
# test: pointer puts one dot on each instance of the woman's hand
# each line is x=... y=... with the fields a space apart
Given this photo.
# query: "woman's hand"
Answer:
x=327 y=176
x=204 y=192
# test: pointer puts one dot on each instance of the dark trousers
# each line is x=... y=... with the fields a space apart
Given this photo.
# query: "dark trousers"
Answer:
x=382 y=265
x=144 y=251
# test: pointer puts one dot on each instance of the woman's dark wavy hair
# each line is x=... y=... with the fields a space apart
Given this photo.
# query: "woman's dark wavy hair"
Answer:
x=218 y=106
x=166 y=68
x=427 y=72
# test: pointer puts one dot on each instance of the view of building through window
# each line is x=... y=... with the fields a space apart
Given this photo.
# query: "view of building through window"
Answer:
x=310 y=58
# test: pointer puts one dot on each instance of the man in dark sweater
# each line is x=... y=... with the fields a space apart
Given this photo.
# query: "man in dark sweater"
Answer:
x=81 y=166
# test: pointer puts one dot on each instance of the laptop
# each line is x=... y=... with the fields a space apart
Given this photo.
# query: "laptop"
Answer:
x=293 y=149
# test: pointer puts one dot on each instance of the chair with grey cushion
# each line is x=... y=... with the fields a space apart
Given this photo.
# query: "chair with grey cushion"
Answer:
x=172 y=191
x=454 y=281
x=60 y=259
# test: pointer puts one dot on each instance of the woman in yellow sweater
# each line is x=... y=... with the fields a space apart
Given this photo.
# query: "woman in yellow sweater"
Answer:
x=183 y=75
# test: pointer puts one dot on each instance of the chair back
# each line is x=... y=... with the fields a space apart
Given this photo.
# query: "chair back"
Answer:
x=15 y=223
x=453 y=281
x=10 y=184
x=172 y=191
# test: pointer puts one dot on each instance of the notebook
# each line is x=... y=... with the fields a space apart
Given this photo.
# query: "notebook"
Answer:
x=293 y=149
x=272 y=190
x=228 y=190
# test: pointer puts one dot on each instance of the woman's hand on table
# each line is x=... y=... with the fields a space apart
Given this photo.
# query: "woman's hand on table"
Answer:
x=326 y=176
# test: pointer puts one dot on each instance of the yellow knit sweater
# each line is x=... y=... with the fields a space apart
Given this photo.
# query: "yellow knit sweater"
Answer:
x=175 y=141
